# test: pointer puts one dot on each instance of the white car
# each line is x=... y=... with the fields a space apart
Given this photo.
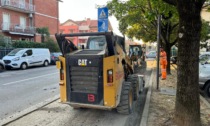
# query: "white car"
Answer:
x=27 y=57
x=2 y=65
x=204 y=75
x=151 y=54
x=204 y=54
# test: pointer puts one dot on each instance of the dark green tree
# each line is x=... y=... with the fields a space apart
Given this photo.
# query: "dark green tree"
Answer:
x=205 y=34
x=2 y=43
x=44 y=31
x=52 y=45
x=138 y=19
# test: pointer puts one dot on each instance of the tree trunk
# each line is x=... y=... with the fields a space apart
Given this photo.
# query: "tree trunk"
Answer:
x=168 y=52
x=42 y=38
x=187 y=107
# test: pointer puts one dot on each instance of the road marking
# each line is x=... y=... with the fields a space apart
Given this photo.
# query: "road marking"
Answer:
x=29 y=79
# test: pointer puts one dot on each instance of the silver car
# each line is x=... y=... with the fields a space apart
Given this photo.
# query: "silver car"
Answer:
x=151 y=54
x=204 y=75
x=2 y=65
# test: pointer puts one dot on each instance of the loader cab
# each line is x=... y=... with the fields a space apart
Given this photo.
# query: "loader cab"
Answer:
x=96 y=43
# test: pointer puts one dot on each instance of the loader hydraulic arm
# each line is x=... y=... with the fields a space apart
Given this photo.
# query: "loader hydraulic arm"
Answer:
x=65 y=45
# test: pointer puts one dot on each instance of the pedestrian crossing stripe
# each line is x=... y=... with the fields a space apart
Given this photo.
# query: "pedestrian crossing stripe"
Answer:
x=102 y=14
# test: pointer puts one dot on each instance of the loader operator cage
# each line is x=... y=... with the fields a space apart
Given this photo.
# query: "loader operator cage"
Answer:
x=96 y=41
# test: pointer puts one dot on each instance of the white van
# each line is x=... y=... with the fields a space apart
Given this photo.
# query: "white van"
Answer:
x=27 y=57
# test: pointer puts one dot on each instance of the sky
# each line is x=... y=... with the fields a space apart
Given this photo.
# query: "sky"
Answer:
x=82 y=9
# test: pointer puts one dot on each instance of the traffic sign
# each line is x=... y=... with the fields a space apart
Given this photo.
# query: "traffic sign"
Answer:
x=103 y=19
x=102 y=25
x=103 y=13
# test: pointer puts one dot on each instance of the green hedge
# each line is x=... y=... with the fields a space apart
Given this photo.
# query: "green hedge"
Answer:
x=24 y=44
x=53 y=47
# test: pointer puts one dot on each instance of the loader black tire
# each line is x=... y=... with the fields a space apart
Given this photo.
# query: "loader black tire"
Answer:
x=126 y=104
x=135 y=85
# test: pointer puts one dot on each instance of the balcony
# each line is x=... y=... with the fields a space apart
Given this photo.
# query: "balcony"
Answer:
x=16 y=5
x=17 y=29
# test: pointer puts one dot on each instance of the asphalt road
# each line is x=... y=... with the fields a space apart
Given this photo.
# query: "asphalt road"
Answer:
x=56 y=113
x=21 y=89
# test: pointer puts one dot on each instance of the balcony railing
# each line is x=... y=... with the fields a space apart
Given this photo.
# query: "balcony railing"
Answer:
x=18 y=6
x=18 y=29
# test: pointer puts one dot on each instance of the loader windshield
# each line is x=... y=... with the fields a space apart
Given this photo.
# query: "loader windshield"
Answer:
x=96 y=43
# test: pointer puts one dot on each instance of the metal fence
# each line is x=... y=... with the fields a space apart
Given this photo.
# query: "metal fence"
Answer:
x=4 y=52
x=5 y=45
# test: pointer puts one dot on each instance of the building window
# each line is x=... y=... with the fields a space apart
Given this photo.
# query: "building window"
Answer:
x=32 y=39
x=22 y=22
x=6 y=21
x=22 y=39
x=22 y=4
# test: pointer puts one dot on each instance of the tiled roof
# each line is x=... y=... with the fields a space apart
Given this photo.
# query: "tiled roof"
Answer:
x=69 y=20
x=88 y=22
x=94 y=23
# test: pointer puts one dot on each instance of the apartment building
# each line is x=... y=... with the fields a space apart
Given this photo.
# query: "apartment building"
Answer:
x=87 y=25
x=20 y=18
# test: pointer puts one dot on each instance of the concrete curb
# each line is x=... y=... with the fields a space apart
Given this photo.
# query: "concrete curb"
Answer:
x=146 y=106
x=28 y=110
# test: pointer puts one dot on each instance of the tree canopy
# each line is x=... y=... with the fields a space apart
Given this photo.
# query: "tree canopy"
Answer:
x=138 y=18
x=44 y=31
x=205 y=34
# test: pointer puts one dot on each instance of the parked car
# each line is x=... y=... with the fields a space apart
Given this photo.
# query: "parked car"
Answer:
x=204 y=75
x=204 y=55
x=173 y=59
x=27 y=57
x=2 y=65
x=201 y=57
x=54 y=57
x=151 y=54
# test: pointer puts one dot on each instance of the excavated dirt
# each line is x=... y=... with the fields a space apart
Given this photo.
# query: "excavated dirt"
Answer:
x=161 y=110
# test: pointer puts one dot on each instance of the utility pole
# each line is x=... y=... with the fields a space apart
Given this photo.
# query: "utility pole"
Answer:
x=158 y=49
